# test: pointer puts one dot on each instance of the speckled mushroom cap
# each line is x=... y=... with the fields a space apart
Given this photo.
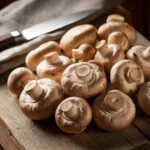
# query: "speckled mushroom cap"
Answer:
x=53 y=66
x=76 y=36
x=18 y=79
x=116 y=23
x=73 y=115
x=143 y=98
x=37 y=55
x=141 y=55
x=108 y=54
x=83 y=79
x=113 y=110
x=126 y=76
x=39 y=99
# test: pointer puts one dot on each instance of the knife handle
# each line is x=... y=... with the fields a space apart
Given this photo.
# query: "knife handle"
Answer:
x=10 y=39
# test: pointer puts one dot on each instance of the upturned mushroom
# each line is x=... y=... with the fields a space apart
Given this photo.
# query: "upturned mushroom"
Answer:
x=113 y=110
x=83 y=79
x=53 y=66
x=123 y=31
x=37 y=55
x=18 y=79
x=108 y=54
x=76 y=36
x=73 y=115
x=141 y=55
x=39 y=99
x=126 y=76
x=143 y=98
x=84 y=53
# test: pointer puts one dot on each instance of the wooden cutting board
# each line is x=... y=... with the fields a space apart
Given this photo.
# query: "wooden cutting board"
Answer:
x=17 y=132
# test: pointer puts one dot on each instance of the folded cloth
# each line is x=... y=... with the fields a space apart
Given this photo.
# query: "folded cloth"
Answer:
x=25 y=13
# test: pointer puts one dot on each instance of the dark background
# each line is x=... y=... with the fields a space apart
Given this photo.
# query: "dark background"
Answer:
x=139 y=9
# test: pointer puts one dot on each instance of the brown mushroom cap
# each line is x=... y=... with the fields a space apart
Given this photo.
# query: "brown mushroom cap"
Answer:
x=37 y=55
x=84 y=53
x=117 y=24
x=113 y=110
x=18 y=79
x=76 y=36
x=108 y=54
x=143 y=98
x=83 y=79
x=120 y=39
x=141 y=55
x=115 y=18
x=40 y=99
x=73 y=115
x=126 y=76
x=53 y=66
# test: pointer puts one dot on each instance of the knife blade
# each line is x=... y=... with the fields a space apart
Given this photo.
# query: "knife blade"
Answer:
x=42 y=28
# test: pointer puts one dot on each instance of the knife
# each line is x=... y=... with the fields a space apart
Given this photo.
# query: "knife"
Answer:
x=42 y=28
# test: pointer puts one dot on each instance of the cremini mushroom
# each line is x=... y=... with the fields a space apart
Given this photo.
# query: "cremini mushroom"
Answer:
x=113 y=110
x=53 y=66
x=18 y=79
x=120 y=39
x=141 y=55
x=76 y=36
x=143 y=98
x=84 y=53
x=37 y=55
x=39 y=99
x=108 y=54
x=83 y=79
x=116 y=23
x=126 y=76
x=73 y=115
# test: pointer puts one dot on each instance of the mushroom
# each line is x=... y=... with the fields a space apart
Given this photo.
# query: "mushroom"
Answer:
x=39 y=99
x=76 y=36
x=141 y=55
x=143 y=98
x=83 y=79
x=53 y=66
x=73 y=115
x=18 y=79
x=113 y=110
x=37 y=55
x=126 y=76
x=108 y=54
x=120 y=39
x=84 y=53
x=116 y=23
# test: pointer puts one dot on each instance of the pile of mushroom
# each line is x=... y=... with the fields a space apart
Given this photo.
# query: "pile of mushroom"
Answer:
x=77 y=69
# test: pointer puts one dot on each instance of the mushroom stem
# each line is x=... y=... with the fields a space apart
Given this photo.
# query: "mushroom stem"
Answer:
x=34 y=90
x=113 y=102
x=115 y=18
x=134 y=74
x=52 y=58
x=76 y=54
x=70 y=110
x=84 y=72
x=146 y=53
x=103 y=48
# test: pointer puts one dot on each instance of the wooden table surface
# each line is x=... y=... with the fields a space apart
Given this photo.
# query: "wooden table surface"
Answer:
x=17 y=132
